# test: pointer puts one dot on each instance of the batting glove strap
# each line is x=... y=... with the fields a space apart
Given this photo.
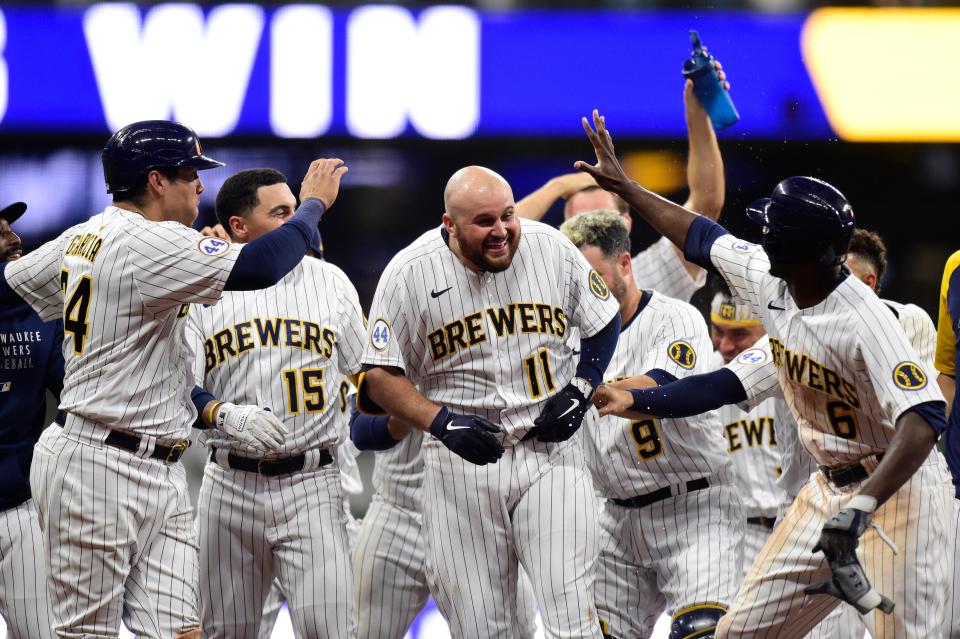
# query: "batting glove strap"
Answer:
x=562 y=414
x=849 y=583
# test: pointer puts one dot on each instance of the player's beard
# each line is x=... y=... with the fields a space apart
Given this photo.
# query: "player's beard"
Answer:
x=479 y=255
x=618 y=286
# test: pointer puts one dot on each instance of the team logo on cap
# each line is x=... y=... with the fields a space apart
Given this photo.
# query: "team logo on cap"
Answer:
x=752 y=356
x=682 y=353
x=598 y=287
x=727 y=312
x=380 y=336
x=909 y=376
x=213 y=246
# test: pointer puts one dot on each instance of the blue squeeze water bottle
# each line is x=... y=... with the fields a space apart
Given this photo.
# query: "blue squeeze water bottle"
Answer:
x=707 y=87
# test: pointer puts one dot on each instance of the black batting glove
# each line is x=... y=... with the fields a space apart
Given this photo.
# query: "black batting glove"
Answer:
x=838 y=542
x=562 y=414
x=469 y=436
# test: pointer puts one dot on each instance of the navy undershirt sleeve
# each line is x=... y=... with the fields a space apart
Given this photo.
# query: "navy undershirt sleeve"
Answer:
x=597 y=351
x=370 y=432
x=266 y=260
x=660 y=376
x=701 y=235
x=933 y=413
x=691 y=395
x=200 y=399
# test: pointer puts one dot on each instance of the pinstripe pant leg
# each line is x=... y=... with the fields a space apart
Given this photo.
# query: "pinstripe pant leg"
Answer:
x=271 y=610
x=628 y=600
x=162 y=587
x=90 y=507
x=472 y=567
x=555 y=532
x=390 y=582
x=236 y=562
x=312 y=553
x=917 y=518
x=951 y=627
x=23 y=577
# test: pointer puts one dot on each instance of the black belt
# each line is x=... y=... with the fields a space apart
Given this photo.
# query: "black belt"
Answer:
x=659 y=495
x=846 y=475
x=131 y=443
x=764 y=522
x=271 y=467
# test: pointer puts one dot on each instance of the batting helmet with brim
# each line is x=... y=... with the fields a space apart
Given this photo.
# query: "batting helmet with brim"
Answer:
x=805 y=220
x=141 y=147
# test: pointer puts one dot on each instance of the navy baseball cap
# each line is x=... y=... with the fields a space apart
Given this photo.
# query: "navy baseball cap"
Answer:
x=13 y=212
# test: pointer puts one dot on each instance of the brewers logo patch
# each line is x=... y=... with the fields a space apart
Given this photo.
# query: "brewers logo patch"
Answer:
x=598 y=287
x=683 y=354
x=380 y=335
x=909 y=376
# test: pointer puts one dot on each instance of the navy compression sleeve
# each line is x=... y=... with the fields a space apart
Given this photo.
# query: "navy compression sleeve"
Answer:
x=701 y=235
x=932 y=413
x=370 y=432
x=690 y=396
x=597 y=351
x=266 y=260
x=200 y=399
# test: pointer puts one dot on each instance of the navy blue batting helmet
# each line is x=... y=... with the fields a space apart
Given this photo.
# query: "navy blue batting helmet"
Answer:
x=805 y=220
x=138 y=148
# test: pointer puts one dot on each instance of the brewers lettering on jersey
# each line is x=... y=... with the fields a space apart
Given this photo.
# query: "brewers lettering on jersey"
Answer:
x=279 y=513
x=863 y=402
x=658 y=474
x=476 y=314
x=110 y=492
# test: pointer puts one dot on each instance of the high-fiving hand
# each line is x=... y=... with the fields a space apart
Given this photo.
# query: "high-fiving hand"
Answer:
x=607 y=171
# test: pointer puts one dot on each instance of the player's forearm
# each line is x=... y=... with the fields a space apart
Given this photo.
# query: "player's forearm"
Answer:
x=536 y=205
x=669 y=219
x=704 y=166
x=948 y=386
x=907 y=451
x=266 y=260
x=689 y=396
x=394 y=393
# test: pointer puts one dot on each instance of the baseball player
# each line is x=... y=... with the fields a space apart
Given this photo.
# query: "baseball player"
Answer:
x=864 y=408
x=476 y=314
x=947 y=359
x=31 y=364
x=277 y=513
x=110 y=491
x=660 y=267
x=656 y=475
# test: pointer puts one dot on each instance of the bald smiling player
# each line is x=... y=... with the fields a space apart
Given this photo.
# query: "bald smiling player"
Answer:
x=468 y=341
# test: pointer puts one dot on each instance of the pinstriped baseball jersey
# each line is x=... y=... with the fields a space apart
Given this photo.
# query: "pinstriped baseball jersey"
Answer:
x=659 y=268
x=755 y=454
x=758 y=376
x=287 y=348
x=629 y=458
x=845 y=366
x=490 y=344
x=919 y=329
x=123 y=285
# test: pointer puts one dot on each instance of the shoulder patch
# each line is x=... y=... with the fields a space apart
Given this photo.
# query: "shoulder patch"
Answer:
x=752 y=356
x=909 y=376
x=682 y=354
x=598 y=287
x=213 y=246
x=380 y=335
x=742 y=247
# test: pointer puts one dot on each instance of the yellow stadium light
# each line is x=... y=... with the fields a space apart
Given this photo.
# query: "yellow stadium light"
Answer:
x=886 y=74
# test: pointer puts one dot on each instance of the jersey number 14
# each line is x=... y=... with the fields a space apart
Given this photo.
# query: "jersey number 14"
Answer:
x=77 y=309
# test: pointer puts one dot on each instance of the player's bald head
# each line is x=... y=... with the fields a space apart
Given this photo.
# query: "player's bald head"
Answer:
x=473 y=188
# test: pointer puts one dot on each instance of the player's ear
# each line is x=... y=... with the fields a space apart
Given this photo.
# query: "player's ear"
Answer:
x=448 y=224
x=238 y=227
x=625 y=264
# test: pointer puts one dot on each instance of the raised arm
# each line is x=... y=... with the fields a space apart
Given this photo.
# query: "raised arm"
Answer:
x=704 y=162
x=536 y=205
x=669 y=219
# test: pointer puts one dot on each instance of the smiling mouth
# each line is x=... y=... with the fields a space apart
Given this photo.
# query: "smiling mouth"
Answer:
x=496 y=247
x=15 y=255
